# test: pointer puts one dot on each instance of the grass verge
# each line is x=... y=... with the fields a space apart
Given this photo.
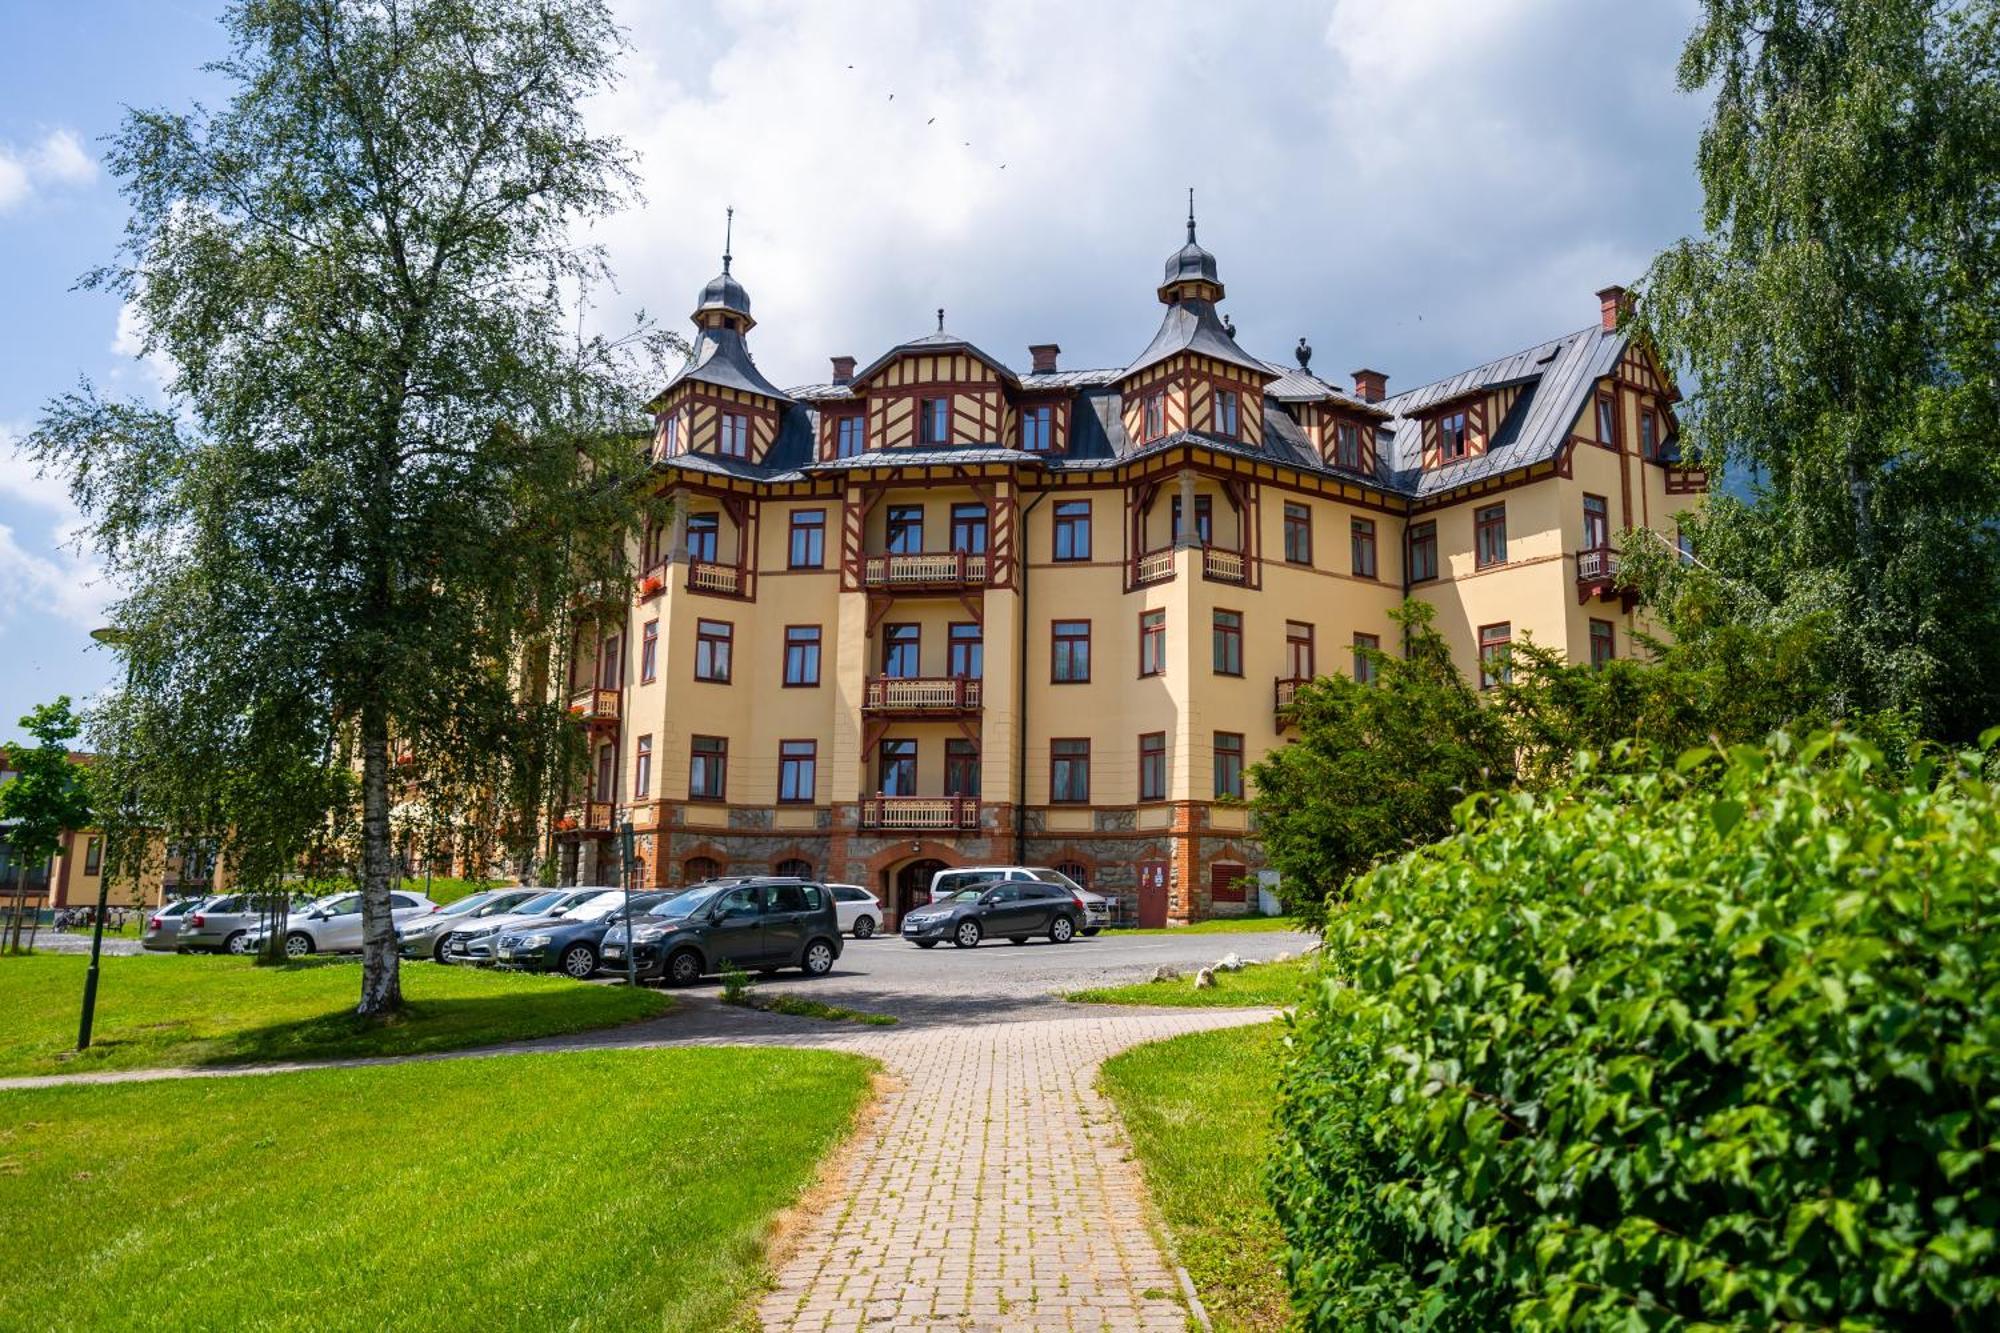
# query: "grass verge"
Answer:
x=606 y=1189
x=1257 y=984
x=1198 y=1109
x=799 y=1007
x=188 y=1010
x=1222 y=925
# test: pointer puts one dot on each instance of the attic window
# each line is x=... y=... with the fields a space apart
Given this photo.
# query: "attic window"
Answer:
x=1452 y=440
x=936 y=423
x=1156 y=415
x=1347 y=446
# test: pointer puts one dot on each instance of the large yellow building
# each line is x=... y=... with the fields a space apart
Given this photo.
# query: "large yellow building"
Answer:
x=938 y=611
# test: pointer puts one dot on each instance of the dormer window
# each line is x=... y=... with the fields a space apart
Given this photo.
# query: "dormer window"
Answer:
x=1649 y=433
x=1347 y=446
x=1037 y=429
x=670 y=436
x=936 y=424
x=849 y=437
x=1156 y=415
x=1452 y=439
x=1226 y=412
x=1607 y=421
x=734 y=435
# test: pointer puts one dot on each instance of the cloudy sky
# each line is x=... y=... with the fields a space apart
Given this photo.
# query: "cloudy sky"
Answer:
x=1415 y=186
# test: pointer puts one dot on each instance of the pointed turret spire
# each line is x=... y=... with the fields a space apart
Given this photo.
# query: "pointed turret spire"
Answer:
x=728 y=234
x=1190 y=215
x=723 y=302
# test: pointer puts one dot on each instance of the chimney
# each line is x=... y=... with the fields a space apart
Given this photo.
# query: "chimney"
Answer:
x=1370 y=386
x=1612 y=303
x=843 y=370
x=1045 y=357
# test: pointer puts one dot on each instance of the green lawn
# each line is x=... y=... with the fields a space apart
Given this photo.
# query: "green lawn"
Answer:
x=1198 y=1109
x=1221 y=925
x=185 y=1010
x=608 y=1189
x=1257 y=984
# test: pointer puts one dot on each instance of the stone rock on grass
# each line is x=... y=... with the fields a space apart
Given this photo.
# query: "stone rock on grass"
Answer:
x=1205 y=979
x=1229 y=963
x=1165 y=972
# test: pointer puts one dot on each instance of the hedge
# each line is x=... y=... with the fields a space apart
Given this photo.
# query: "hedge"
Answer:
x=1653 y=1052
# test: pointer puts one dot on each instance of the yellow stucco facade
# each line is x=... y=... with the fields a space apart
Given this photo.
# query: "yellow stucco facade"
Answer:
x=939 y=612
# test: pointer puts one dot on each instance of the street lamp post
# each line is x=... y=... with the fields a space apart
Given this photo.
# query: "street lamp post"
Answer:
x=631 y=941
x=106 y=635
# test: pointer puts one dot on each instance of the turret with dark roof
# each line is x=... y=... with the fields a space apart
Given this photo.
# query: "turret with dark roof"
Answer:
x=720 y=354
x=1191 y=324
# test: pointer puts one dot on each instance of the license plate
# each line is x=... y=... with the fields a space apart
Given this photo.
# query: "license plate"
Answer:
x=614 y=951
x=506 y=953
x=454 y=948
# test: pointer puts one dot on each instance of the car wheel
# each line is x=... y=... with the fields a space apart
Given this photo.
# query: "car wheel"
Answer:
x=818 y=960
x=925 y=944
x=864 y=927
x=967 y=935
x=238 y=944
x=579 y=961
x=298 y=944
x=1061 y=930
x=437 y=952
x=1017 y=939
x=684 y=968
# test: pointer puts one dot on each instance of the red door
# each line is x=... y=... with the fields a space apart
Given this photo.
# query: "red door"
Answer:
x=1152 y=893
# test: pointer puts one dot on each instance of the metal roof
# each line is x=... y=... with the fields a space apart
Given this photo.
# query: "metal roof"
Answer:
x=1192 y=326
x=721 y=356
x=931 y=344
x=958 y=455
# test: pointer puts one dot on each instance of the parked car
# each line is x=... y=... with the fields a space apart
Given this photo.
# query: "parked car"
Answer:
x=333 y=925
x=424 y=936
x=766 y=925
x=227 y=923
x=1096 y=908
x=1011 y=909
x=569 y=943
x=163 y=928
x=474 y=941
x=859 y=911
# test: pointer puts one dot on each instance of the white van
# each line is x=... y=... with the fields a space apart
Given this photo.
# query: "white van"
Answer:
x=1096 y=911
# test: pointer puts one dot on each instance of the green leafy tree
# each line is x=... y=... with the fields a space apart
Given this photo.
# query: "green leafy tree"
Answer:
x=390 y=462
x=1375 y=769
x=1839 y=318
x=49 y=794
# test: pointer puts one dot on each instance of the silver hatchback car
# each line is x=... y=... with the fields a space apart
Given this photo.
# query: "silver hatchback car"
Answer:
x=333 y=925
x=163 y=927
x=224 y=924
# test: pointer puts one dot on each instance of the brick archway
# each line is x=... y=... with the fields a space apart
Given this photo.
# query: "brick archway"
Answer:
x=888 y=866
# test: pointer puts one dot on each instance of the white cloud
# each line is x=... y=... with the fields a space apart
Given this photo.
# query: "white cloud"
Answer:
x=71 y=589
x=59 y=159
x=1417 y=186
x=20 y=482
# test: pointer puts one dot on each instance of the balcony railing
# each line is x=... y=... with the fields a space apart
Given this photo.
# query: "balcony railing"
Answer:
x=589 y=817
x=707 y=576
x=1220 y=565
x=1597 y=576
x=925 y=569
x=1283 y=690
x=594 y=705
x=921 y=694
x=955 y=813
x=1155 y=566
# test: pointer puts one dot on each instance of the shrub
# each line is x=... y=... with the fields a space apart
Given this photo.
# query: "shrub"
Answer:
x=1645 y=1052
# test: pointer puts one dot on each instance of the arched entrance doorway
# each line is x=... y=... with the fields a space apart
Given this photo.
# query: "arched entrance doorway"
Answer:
x=908 y=887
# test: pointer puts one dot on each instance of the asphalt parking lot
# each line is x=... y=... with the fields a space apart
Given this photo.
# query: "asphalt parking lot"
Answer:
x=1001 y=982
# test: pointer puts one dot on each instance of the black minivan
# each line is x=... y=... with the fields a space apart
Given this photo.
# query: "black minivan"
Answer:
x=759 y=925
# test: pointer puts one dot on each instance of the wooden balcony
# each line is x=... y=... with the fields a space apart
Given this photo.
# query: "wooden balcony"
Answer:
x=1597 y=577
x=716 y=579
x=1154 y=566
x=593 y=705
x=921 y=696
x=925 y=571
x=1283 y=690
x=587 y=817
x=933 y=813
x=1219 y=565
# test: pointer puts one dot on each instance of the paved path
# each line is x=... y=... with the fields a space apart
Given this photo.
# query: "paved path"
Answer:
x=993 y=1189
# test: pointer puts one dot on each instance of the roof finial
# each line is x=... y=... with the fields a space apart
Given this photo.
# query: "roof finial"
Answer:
x=940 y=319
x=728 y=234
x=1190 y=215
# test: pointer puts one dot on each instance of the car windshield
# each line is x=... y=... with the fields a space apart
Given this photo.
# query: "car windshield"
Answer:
x=568 y=906
x=611 y=904
x=469 y=903
x=686 y=904
x=541 y=902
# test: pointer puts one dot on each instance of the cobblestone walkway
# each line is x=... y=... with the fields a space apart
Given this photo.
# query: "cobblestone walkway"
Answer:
x=994 y=1189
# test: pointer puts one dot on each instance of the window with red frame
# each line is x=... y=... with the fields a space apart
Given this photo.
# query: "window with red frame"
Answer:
x=708 y=769
x=734 y=435
x=713 y=640
x=1495 y=653
x=1069 y=771
x=1156 y=415
x=1603 y=642
x=1153 y=766
x=1489 y=536
x=1152 y=643
x=807 y=547
x=649 y=651
x=798 y=771
x=1069 y=652
x=1361 y=546
x=1364 y=665
x=642 y=770
x=1298 y=534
